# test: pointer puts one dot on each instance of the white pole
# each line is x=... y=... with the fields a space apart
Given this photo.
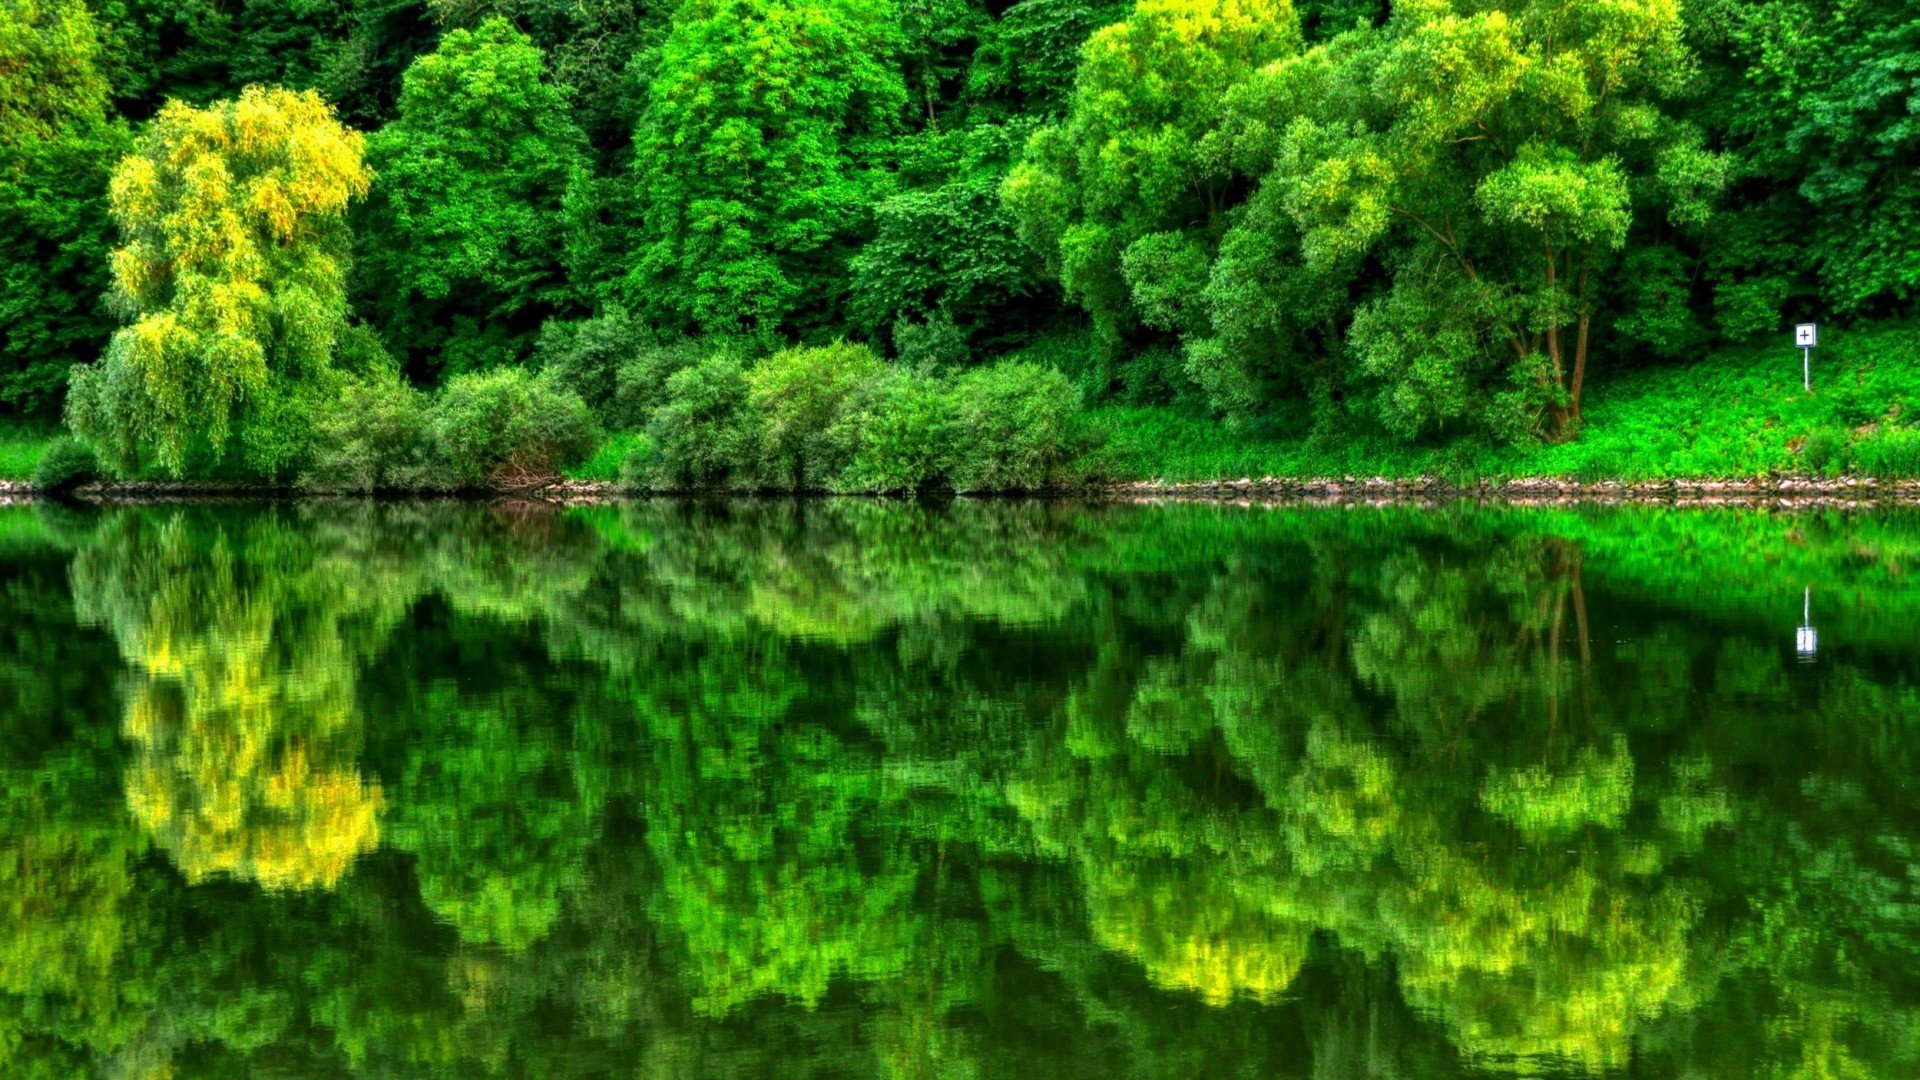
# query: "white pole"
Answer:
x=1806 y=606
x=1806 y=368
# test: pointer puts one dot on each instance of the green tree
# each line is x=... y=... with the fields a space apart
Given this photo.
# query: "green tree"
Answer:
x=1028 y=56
x=233 y=269
x=462 y=236
x=57 y=142
x=599 y=49
x=945 y=248
x=1812 y=99
x=1494 y=158
x=199 y=51
x=758 y=160
x=1126 y=196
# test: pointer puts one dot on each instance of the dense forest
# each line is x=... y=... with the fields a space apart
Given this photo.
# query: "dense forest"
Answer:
x=888 y=245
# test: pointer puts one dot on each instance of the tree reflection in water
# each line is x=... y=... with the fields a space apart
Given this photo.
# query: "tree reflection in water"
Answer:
x=984 y=789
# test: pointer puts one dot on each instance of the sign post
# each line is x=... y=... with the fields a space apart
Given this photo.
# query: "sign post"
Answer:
x=1806 y=335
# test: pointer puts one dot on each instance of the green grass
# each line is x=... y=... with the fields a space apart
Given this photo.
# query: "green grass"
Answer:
x=1740 y=412
x=605 y=463
x=21 y=445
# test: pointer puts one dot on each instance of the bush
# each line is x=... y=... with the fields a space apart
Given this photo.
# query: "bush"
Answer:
x=1825 y=450
x=636 y=465
x=1891 y=454
x=588 y=356
x=1156 y=375
x=505 y=428
x=935 y=341
x=67 y=464
x=640 y=386
x=696 y=431
x=794 y=399
x=373 y=436
x=1018 y=428
x=277 y=436
x=901 y=427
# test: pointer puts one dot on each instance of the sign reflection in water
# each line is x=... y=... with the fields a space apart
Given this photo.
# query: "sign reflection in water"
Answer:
x=987 y=789
x=1806 y=640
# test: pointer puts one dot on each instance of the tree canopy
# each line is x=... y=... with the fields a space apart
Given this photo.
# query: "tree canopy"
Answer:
x=233 y=268
x=1380 y=229
x=463 y=236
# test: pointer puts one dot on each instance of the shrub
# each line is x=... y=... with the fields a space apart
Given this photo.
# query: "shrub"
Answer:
x=1825 y=450
x=588 y=356
x=66 y=464
x=277 y=435
x=1078 y=352
x=794 y=399
x=636 y=465
x=935 y=341
x=1155 y=375
x=696 y=431
x=373 y=436
x=1891 y=453
x=901 y=427
x=1018 y=428
x=640 y=385
x=505 y=428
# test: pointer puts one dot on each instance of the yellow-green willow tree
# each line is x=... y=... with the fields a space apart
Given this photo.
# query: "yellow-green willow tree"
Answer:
x=232 y=273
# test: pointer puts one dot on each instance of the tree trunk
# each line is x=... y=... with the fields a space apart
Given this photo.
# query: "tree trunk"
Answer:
x=1580 y=349
x=1559 y=425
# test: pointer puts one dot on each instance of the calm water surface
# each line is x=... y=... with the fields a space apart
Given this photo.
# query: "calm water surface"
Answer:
x=983 y=790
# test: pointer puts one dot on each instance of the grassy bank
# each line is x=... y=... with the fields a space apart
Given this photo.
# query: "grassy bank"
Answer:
x=1738 y=413
x=20 y=448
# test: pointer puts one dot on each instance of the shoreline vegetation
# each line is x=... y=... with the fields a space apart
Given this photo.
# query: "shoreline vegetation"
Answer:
x=1791 y=492
x=1052 y=245
x=838 y=420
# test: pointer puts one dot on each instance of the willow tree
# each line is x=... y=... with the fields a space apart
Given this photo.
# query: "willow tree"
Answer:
x=243 y=650
x=232 y=270
x=1494 y=157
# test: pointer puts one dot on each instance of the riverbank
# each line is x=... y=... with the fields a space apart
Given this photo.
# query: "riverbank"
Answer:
x=1737 y=414
x=1731 y=425
x=1791 y=492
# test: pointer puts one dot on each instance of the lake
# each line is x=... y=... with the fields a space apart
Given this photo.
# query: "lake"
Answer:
x=982 y=789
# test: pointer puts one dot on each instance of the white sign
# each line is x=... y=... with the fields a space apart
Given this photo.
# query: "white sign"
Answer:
x=1806 y=335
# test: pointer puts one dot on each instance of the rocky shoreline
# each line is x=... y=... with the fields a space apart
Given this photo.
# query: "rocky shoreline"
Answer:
x=1796 y=491
x=1785 y=491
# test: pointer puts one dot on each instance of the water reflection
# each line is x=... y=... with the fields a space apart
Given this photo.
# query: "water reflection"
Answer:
x=1806 y=640
x=853 y=789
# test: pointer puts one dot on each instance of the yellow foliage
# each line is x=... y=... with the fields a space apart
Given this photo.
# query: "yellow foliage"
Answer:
x=233 y=232
x=239 y=771
x=242 y=715
x=1190 y=931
